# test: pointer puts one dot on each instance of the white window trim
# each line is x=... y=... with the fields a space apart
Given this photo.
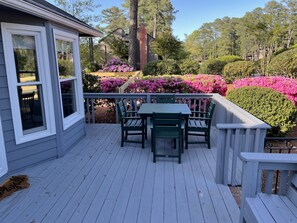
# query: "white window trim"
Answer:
x=44 y=70
x=79 y=114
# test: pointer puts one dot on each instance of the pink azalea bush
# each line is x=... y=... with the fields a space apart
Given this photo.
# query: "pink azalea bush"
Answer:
x=285 y=86
x=111 y=84
x=157 y=84
x=204 y=83
x=182 y=84
x=116 y=65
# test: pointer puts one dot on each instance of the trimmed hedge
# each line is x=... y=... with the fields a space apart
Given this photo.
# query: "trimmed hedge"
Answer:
x=284 y=64
x=212 y=66
x=229 y=58
x=189 y=66
x=160 y=67
x=238 y=70
x=268 y=105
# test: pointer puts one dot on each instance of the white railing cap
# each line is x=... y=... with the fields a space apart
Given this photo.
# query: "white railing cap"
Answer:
x=269 y=157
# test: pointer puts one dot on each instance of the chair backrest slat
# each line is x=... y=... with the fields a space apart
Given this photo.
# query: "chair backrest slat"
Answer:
x=165 y=98
x=121 y=109
x=167 y=122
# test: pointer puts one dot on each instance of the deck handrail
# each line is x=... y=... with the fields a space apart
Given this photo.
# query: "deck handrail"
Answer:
x=238 y=131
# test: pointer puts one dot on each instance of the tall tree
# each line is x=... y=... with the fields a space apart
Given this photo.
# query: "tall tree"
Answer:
x=133 y=43
x=114 y=18
x=167 y=46
x=81 y=9
x=291 y=21
x=158 y=15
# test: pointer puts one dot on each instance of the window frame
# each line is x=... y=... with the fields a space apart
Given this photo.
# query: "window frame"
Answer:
x=39 y=32
x=77 y=78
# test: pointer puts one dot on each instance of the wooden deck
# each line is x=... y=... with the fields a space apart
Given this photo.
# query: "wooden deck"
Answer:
x=98 y=181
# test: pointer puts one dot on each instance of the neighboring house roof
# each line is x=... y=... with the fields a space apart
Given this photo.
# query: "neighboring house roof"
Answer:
x=44 y=9
x=120 y=32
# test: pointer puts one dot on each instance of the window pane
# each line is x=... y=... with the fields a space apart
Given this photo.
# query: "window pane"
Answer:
x=31 y=107
x=65 y=58
x=25 y=58
x=68 y=97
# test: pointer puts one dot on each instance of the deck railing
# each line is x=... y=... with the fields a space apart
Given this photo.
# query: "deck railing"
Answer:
x=237 y=130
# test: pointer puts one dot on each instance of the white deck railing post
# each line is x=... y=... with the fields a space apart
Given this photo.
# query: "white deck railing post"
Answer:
x=238 y=131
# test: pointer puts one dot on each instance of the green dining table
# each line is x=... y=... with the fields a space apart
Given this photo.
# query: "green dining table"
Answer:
x=147 y=109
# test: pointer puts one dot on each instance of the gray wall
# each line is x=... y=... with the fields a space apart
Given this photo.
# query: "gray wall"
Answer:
x=32 y=153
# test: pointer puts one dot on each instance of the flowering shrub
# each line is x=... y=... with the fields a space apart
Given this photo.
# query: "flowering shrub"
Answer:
x=157 y=84
x=204 y=83
x=116 y=65
x=285 y=86
x=180 y=84
x=110 y=84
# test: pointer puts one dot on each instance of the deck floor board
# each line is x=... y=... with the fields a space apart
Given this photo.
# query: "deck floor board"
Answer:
x=99 y=181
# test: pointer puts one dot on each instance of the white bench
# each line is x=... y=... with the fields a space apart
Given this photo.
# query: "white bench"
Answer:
x=257 y=206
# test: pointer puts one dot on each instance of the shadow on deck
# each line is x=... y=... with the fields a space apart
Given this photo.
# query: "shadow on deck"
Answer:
x=98 y=181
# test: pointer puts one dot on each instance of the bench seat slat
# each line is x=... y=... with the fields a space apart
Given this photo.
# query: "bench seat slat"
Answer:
x=270 y=208
x=277 y=208
x=289 y=204
x=255 y=211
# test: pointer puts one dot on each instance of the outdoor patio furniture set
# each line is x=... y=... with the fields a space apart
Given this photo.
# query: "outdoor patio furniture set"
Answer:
x=166 y=119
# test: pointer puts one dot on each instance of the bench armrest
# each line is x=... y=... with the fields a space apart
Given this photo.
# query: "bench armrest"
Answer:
x=268 y=157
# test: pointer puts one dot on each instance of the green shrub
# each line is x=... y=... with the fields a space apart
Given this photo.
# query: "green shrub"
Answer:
x=93 y=67
x=229 y=58
x=238 y=70
x=212 y=66
x=189 y=66
x=161 y=67
x=284 y=64
x=268 y=105
x=90 y=83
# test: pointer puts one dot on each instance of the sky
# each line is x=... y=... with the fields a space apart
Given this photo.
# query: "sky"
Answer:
x=193 y=13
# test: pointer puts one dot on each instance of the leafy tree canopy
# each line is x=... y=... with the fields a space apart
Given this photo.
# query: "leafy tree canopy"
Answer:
x=167 y=46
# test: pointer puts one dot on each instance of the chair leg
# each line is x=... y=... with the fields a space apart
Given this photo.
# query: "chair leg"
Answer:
x=126 y=134
x=122 y=138
x=142 y=137
x=145 y=129
x=187 y=139
x=154 y=149
x=179 y=149
x=182 y=142
x=152 y=143
x=207 y=138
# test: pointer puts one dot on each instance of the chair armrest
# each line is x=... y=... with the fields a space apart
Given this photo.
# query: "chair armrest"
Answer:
x=199 y=118
x=131 y=112
x=127 y=118
x=199 y=112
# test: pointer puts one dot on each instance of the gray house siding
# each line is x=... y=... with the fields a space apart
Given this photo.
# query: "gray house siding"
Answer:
x=34 y=152
x=73 y=134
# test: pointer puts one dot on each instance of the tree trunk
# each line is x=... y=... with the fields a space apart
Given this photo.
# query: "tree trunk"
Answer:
x=133 y=43
x=290 y=34
x=91 y=50
x=155 y=26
